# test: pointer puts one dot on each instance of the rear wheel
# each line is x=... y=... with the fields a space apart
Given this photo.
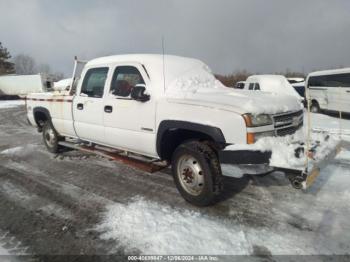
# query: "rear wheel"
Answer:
x=51 y=138
x=197 y=174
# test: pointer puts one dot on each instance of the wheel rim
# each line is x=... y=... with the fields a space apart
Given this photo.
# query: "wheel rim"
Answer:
x=190 y=175
x=50 y=137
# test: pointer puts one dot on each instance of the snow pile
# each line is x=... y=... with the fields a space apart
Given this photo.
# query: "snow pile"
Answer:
x=63 y=84
x=157 y=229
x=19 y=151
x=11 y=103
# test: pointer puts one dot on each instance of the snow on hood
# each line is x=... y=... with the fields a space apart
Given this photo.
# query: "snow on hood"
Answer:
x=199 y=85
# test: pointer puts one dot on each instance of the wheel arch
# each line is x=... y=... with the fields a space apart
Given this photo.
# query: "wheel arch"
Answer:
x=172 y=133
x=41 y=115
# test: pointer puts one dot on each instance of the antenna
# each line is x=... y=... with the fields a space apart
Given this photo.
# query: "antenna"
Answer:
x=163 y=51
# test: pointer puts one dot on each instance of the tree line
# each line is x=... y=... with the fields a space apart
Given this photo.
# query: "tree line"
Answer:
x=24 y=65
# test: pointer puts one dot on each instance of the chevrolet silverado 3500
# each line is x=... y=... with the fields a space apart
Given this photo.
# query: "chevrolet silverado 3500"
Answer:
x=167 y=108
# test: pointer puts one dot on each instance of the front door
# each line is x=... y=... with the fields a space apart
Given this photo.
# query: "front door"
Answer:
x=130 y=124
x=88 y=106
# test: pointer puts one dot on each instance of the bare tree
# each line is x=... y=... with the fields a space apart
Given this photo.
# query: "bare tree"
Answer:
x=57 y=76
x=232 y=79
x=25 y=65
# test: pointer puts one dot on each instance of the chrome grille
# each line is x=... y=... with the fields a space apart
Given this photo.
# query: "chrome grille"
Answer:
x=288 y=123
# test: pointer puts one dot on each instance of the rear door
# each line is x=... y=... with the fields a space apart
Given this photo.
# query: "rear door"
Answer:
x=88 y=105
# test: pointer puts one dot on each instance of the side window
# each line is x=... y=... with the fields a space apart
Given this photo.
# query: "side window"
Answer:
x=94 y=82
x=251 y=86
x=125 y=78
x=338 y=80
x=257 y=86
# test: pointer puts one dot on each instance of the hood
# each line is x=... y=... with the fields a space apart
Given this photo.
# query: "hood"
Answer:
x=199 y=86
x=240 y=101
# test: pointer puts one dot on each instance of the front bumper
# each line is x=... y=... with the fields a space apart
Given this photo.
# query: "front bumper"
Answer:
x=287 y=156
x=244 y=157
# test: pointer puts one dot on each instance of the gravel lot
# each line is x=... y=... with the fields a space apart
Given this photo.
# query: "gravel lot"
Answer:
x=76 y=203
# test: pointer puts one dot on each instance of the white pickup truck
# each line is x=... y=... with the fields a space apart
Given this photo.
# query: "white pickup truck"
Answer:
x=167 y=108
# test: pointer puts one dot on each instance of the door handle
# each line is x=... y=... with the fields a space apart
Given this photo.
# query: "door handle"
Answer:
x=80 y=106
x=348 y=91
x=108 y=109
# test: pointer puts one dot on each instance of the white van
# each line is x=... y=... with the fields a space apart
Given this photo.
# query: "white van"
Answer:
x=276 y=84
x=329 y=90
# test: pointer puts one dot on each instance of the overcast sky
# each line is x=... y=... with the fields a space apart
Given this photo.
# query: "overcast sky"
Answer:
x=260 y=36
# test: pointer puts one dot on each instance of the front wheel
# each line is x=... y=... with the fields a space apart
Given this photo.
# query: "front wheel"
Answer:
x=51 y=138
x=197 y=174
x=315 y=108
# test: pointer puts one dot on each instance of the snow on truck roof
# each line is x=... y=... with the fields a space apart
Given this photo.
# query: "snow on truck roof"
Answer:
x=173 y=67
x=141 y=58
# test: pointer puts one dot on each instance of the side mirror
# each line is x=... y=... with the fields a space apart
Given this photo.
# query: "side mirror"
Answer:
x=138 y=93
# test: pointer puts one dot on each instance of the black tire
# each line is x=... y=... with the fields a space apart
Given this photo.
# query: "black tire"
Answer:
x=209 y=174
x=315 y=108
x=51 y=138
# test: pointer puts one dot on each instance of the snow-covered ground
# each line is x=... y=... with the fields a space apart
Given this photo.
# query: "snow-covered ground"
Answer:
x=333 y=125
x=307 y=223
x=143 y=213
x=315 y=222
x=11 y=103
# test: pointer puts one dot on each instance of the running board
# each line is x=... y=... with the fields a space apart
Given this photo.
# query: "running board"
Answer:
x=117 y=156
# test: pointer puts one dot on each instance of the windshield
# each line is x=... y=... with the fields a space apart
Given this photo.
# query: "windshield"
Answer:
x=194 y=79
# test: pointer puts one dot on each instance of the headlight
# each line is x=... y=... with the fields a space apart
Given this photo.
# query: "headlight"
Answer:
x=257 y=120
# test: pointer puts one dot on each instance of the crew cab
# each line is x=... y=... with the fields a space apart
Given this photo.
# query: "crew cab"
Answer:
x=166 y=108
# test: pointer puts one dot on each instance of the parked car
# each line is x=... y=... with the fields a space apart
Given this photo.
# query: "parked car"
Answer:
x=300 y=88
x=182 y=115
x=276 y=84
x=239 y=85
x=329 y=90
x=295 y=80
